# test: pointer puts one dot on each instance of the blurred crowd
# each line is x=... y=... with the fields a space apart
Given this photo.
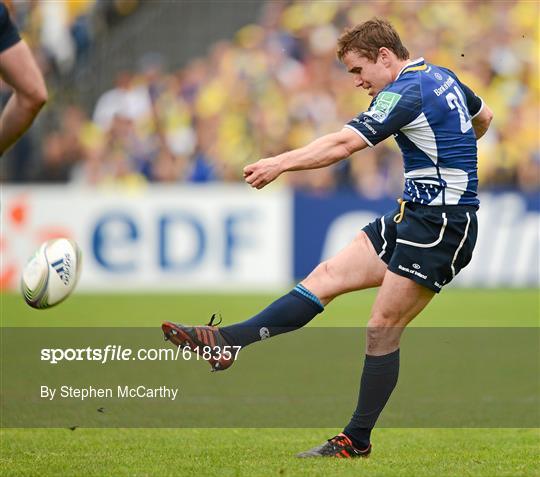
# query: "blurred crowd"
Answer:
x=277 y=85
x=61 y=33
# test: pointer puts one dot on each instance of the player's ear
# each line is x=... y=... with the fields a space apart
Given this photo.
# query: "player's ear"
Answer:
x=384 y=56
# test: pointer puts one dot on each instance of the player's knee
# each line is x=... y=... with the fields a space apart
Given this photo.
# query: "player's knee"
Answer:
x=378 y=327
x=325 y=272
x=40 y=97
x=384 y=318
x=36 y=99
x=322 y=281
x=383 y=333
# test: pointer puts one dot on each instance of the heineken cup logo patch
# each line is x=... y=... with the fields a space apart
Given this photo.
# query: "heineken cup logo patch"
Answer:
x=383 y=106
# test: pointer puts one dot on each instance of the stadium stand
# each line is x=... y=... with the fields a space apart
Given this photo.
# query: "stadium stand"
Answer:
x=275 y=85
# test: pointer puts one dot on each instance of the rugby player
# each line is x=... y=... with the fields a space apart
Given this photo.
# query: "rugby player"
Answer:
x=20 y=71
x=411 y=252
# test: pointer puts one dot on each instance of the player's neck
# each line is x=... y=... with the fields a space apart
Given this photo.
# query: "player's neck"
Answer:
x=398 y=66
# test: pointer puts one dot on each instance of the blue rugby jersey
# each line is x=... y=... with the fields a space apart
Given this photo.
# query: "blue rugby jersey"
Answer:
x=429 y=112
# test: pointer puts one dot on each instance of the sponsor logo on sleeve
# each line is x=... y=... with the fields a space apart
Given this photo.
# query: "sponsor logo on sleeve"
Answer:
x=365 y=122
x=383 y=106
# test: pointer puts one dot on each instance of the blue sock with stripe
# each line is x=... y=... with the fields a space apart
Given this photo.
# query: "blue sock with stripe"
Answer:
x=379 y=378
x=288 y=313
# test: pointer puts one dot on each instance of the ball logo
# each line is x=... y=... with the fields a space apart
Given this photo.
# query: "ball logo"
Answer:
x=63 y=268
x=264 y=333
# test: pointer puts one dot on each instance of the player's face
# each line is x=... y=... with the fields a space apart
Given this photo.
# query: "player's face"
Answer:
x=370 y=76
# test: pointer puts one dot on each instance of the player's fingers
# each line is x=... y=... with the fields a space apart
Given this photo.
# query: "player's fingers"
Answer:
x=259 y=184
x=251 y=179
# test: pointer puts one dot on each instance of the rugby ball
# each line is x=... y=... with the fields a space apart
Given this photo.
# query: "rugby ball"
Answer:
x=51 y=274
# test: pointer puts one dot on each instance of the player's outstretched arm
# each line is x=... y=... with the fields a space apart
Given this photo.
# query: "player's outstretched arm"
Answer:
x=20 y=71
x=322 y=152
x=482 y=121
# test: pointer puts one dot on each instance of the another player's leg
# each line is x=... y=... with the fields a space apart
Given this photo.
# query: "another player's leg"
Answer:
x=19 y=69
x=399 y=300
x=356 y=267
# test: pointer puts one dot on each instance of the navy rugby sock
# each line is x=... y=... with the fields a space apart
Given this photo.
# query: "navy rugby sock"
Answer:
x=379 y=378
x=288 y=313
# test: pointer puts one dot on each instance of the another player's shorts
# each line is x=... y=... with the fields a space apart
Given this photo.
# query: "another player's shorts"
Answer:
x=430 y=245
x=8 y=33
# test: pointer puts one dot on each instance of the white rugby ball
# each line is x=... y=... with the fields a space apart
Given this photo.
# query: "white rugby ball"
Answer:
x=51 y=273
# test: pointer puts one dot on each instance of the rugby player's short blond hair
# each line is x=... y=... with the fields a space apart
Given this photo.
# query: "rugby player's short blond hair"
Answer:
x=367 y=38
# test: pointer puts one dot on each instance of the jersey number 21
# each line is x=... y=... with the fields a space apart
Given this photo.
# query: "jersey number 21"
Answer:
x=457 y=101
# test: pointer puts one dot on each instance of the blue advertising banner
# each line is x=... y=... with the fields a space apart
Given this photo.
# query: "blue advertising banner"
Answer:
x=507 y=251
x=325 y=223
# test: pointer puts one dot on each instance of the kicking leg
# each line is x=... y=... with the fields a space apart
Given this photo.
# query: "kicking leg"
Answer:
x=356 y=267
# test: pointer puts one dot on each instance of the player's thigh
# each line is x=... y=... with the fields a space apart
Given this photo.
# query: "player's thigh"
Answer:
x=398 y=302
x=19 y=69
x=356 y=267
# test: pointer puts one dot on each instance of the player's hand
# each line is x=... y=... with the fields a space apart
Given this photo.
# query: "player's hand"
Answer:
x=262 y=172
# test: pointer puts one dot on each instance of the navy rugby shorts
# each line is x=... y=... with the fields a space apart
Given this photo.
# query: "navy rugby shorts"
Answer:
x=430 y=245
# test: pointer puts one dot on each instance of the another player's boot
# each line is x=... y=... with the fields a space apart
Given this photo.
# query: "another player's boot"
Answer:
x=206 y=341
x=339 y=446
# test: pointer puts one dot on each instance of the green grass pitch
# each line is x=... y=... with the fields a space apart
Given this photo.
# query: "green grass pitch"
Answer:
x=267 y=452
